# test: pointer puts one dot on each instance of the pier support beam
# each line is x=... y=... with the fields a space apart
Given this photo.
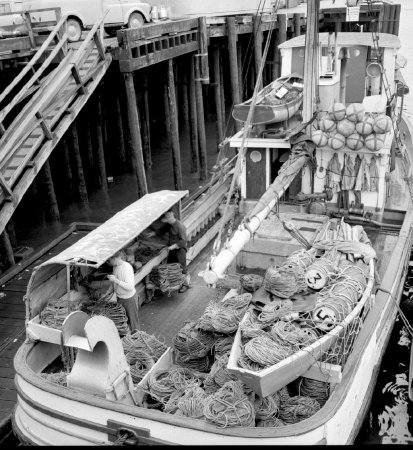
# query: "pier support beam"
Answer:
x=217 y=89
x=233 y=64
x=49 y=191
x=118 y=131
x=100 y=151
x=143 y=104
x=257 y=47
x=7 y=247
x=281 y=37
x=173 y=119
x=67 y=167
x=80 y=181
x=193 y=120
x=201 y=124
x=134 y=128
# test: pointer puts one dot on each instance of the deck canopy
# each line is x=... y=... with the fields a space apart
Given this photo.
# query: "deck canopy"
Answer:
x=50 y=279
x=347 y=40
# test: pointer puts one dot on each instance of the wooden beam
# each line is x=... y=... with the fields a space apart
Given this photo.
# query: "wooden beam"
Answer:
x=44 y=125
x=201 y=126
x=8 y=249
x=193 y=121
x=173 y=116
x=134 y=128
x=48 y=188
x=320 y=371
x=78 y=79
x=203 y=50
x=257 y=47
x=7 y=192
x=145 y=121
x=217 y=89
x=81 y=182
x=233 y=64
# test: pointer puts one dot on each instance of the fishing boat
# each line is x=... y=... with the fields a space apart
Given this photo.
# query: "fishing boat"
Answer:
x=294 y=212
x=276 y=102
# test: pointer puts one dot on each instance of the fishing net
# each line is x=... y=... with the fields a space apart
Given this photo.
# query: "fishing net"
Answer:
x=167 y=277
x=251 y=282
x=193 y=342
x=140 y=340
x=114 y=311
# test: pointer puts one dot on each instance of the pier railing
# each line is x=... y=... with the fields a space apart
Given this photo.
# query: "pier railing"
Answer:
x=49 y=108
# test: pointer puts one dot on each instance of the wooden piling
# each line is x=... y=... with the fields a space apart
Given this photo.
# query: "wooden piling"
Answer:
x=240 y=79
x=185 y=101
x=46 y=180
x=8 y=249
x=77 y=162
x=281 y=37
x=218 y=106
x=201 y=124
x=118 y=131
x=145 y=121
x=257 y=47
x=173 y=118
x=67 y=167
x=99 y=145
x=396 y=23
x=233 y=64
x=134 y=129
x=193 y=121
x=12 y=233
x=222 y=85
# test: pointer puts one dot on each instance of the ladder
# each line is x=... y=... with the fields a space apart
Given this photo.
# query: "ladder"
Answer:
x=50 y=102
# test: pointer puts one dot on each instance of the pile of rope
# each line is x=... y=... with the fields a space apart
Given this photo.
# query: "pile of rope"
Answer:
x=145 y=254
x=251 y=282
x=250 y=326
x=301 y=258
x=298 y=408
x=274 y=311
x=59 y=378
x=164 y=382
x=267 y=407
x=140 y=363
x=230 y=407
x=114 y=311
x=168 y=277
x=222 y=345
x=55 y=313
x=202 y=364
x=224 y=317
x=191 y=404
x=284 y=281
x=265 y=351
x=356 y=273
x=273 y=422
x=318 y=390
x=219 y=372
x=140 y=340
x=100 y=290
x=247 y=363
x=292 y=334
x=192 y=342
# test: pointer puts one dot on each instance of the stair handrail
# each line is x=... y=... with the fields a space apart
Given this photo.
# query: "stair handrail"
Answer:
x=42 y=98
x=26 y=69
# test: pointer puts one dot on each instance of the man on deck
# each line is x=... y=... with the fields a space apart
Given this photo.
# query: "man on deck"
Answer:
x=124 y=284
x=176 y=238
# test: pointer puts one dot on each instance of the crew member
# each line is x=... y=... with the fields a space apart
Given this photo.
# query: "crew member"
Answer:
x=124 y=284
x=174 y=233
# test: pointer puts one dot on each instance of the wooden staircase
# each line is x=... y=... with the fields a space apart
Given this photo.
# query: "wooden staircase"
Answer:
x=50 y=104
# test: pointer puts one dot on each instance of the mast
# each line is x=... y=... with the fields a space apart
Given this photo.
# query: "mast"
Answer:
x=219 y=264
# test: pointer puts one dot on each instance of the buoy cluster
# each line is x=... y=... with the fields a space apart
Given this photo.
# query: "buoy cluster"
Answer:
x=351 y=127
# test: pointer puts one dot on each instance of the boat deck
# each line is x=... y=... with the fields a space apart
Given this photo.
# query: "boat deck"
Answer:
x=162 y=310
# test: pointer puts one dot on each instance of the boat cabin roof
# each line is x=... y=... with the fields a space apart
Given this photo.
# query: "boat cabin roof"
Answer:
x=348 y=39
x=117 y=232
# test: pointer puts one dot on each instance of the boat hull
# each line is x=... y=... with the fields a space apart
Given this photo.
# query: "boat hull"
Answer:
x=48 y=414
x=266 y=114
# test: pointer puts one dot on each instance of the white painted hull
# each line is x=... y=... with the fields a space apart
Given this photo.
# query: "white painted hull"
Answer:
x=47 y=414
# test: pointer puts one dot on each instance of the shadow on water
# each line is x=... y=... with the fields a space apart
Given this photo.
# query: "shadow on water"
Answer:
x=390 y=417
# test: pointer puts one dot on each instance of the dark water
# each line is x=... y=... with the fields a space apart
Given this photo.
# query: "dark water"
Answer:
x=390 y=418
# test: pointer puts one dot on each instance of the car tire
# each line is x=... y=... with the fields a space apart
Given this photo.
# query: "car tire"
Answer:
x=74 y=30
x=136 y=20
x=111 y=31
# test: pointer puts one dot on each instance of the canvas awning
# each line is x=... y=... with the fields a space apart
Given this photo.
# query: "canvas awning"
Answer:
x=121 y=229
x=50 y=279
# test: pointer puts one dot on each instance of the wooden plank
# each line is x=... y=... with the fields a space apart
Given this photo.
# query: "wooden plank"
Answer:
x=154 y=58
x=131 y=35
